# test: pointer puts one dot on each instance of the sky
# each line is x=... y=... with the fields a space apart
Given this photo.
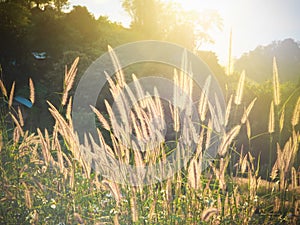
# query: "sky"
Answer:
x=253 y=22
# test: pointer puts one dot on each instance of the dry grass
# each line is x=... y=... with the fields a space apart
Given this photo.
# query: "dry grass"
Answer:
x=60 y=181
x=271 y=127
x=240 y=89
x=31 y=89
x=296 y=114
x=276 y=86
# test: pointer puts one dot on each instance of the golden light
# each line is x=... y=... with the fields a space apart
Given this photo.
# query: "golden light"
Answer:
x=238 y=16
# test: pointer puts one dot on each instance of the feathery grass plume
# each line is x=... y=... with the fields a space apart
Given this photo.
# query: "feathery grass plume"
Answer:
x=199 y=149
x=294 y=178
x=240 y=89
x=69 y=109
x=28 y=201
x=247 y=111
x=227 y=112
x=69 y=75
x=223 y=166
x=248 y=127
x=177 y=101
x=136 y=128
x=220 y=172
x=114 y=90
x=194 y=174
x=285 y=158
x=183 y=70
x=140 y=91
x=271 y=127
x=18 y=126
x=202 y=109
x=11 y=95
x=122 y=105
x=45 y=148
x=71 y=139
x=244 y=164
x=101 y=118
x=208 y=213
x=112 y=116
x=114 y=188
x=281 y=120
x=186 y=82
x=217 y=123
x=276 y=85
x=119 y=72
x=219 y=110
x=60 y=156
x=138 y=159
x=16 y=135
x=147 y=121
x=227 y=139
x=20 y=116
x=274 y=171
x=3 y=89
x=31 y=88
x=69 y=80
x=140 y=116
x=47 y=138
x=296 y=113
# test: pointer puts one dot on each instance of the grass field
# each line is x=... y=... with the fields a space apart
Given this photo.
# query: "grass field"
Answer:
x=46 y=180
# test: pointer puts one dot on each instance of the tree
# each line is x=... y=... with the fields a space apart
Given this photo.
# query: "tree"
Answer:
x=168 y=21
x=144 y=14
x=15 y=18
x=257 y=62
x=14 y=24
x=81 y=26
x=47 y=31
x=42 y=4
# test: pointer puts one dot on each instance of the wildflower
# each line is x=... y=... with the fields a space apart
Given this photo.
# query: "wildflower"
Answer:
x=53 y=203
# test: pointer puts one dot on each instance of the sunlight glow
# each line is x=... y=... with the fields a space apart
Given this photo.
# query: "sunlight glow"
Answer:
x=221 y=37
x=253 y=22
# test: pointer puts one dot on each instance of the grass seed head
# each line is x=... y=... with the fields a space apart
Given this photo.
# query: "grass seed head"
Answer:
x=276 y=85
x=271 y=127
x=240 y=88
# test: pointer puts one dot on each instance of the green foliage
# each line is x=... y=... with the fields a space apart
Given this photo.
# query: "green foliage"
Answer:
x=256 y=62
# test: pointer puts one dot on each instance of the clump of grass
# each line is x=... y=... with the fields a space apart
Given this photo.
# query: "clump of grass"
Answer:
x=47 y=178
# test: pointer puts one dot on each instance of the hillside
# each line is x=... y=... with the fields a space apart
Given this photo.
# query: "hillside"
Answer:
x=257 y=62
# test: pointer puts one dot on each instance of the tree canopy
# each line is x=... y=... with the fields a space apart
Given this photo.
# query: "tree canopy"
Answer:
x=257 y=62
x=38 y=26
x=168 y=21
